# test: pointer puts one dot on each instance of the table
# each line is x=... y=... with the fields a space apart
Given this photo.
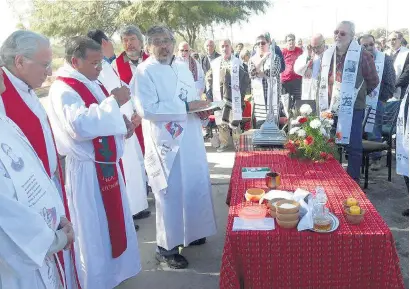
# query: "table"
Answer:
x=354 y=256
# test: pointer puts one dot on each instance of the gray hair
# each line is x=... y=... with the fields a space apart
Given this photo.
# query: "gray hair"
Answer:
x=77 y=47
x=244 y=53
x=21 y=42
x=159 y=30
x=132 y=30
x=207 y=41
x=225 y=40
x=351 y=26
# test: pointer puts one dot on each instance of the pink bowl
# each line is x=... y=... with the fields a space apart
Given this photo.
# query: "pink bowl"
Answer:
x=252 y=212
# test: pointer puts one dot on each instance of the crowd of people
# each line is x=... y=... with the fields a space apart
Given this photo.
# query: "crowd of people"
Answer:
x=132 y=124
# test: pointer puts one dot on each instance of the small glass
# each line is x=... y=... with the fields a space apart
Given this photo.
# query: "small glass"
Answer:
x=322 y=220
x=272 y=180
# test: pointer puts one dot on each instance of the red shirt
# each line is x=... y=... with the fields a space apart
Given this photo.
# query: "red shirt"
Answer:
x=290 y=59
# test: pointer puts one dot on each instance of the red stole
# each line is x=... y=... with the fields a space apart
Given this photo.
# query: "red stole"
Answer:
x=124 y=68
x=107 y=174
x=125 y=73
x=18 y=111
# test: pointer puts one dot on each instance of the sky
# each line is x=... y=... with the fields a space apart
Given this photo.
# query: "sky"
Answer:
x=301 y=17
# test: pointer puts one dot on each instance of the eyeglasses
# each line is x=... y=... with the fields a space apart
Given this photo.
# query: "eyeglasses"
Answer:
x=184 y=50
x=159 y=42
x=368 y=45
x=315 y=48
x=98 y=65
x=261 y=43
x=46 y=66
x=341 y=33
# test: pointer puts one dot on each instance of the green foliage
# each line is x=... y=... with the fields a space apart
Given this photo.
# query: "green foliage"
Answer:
x=62 y=19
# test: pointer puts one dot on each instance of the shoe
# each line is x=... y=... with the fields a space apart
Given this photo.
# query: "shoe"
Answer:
x=142 y=215
x=405 y=213
x=222 y=148
x=136 y=227
x=175 y=261
x=198 y=242
x=376 y=165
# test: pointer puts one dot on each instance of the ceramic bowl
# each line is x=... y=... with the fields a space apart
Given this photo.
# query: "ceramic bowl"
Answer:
x=254 y=194
x=287 y=224
x=287 y=217
x=287 y=207
x=355 y=219
x=272 y=180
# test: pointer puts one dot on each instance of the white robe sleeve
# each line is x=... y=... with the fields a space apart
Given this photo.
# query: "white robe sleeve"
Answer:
x=200 y=83
x=82 y=123
x=150 y=106
x=108 y=77
x=301 y=65
x=25 y=238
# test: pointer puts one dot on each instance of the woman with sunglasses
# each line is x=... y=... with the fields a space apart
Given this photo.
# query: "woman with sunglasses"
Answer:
x=259 y=71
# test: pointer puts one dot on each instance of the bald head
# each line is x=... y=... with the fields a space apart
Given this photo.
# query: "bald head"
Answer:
x=183 y=50
x=318 y=43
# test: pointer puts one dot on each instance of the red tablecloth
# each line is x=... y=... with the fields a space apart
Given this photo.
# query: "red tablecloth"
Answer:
x=354 y=256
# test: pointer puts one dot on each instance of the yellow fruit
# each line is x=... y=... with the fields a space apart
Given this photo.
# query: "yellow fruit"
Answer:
x=355 y=210
x=351 y=202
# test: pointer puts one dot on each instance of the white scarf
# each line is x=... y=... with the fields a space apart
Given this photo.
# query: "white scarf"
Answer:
x=348 y=93
x=236 y=92
x=373 y=97
x=402 y=141
x=398 y=67
x=166 y=137
x=33 y=187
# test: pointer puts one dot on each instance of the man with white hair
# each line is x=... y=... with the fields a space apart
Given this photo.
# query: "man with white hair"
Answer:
x=127 y=62
x=400 y=55
x=184 y=55
x=227 y=81
x=90 y=131
x=133 y=160
x=26 y=58
x=308 y=66
x=348 y=75
x=210 y=55
x=175 y=159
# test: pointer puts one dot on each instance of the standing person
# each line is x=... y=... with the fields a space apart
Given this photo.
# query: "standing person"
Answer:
x=291 y=82
x=348 y=75
x=26 y=58
x=210 y=55
x=377 y=99
x=238 y=50
x=127 y=62
x=175 y=159
x=259 y=71
x=383 y=43
x=184 y=55
x=90 y=131
x=400 y=55
x=308 y=66
x=133 y=160
x=227 y=81
x=402 y=142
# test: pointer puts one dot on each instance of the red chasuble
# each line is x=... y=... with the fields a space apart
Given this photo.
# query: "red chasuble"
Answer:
x=105 y=164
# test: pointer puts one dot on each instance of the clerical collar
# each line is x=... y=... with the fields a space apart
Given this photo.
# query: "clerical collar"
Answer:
x=17 y=82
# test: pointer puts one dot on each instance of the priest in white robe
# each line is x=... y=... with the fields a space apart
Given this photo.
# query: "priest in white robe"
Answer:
x=175 y=159
x=184 y=56
x=33 y=227
x=90 y=130
x=133 y=160
x=26 y=62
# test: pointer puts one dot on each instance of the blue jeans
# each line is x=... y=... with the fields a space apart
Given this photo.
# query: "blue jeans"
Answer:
x=355 y=147
x=377 y=131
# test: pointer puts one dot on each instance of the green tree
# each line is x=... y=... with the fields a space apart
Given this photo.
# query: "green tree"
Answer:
x=187 y=18
x=62 y=19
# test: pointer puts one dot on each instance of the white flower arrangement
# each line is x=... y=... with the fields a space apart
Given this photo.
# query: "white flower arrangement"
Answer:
x=293 y=130
x=294 y=122
x=305 y=109
x=328 y=122
x=315 y=123
x=301 y=133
